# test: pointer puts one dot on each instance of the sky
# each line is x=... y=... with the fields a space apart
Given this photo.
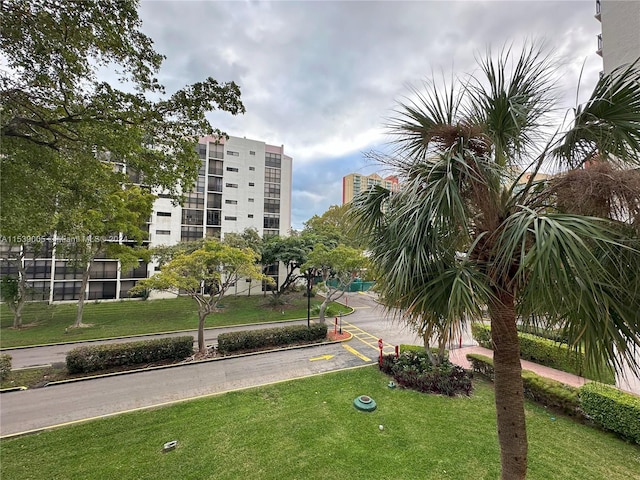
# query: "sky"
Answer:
x=323 y=78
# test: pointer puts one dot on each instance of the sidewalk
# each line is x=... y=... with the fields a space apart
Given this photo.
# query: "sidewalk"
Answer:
x=459 y=357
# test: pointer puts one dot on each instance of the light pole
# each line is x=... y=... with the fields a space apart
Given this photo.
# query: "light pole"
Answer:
x=308 y=298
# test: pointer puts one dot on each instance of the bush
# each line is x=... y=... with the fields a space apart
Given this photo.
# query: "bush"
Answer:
x=420 y=348
x=270 y=337
x=546 y=352
x=101 y=357
x=545 y=391
x=5 y=365
x=612 y=409
x=414 y=370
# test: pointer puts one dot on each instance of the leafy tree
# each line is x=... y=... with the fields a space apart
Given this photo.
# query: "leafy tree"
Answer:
x=464 y=232
x=56 y=110
x=292 y=251
x=205 y=275
x=341 y=264
x=249 y=238
x=335 y=225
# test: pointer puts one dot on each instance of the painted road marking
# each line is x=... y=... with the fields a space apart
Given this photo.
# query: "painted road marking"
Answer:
x=356 y=353
x=367 y=338
x=321 y=357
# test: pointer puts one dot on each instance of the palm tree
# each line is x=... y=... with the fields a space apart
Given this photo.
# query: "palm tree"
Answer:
x=467 y=231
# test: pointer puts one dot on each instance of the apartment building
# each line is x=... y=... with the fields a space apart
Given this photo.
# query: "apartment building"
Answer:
x=354 y=183
x=619 y=42
x=241 y=184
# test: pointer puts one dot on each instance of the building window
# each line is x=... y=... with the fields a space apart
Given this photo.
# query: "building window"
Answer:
x=251 y=200
x=108 y=269
x=232 y=169
x=102 y=290
x=232 y=153
x=231 y=185
x=252 y=169
x=250 y=215
x=213 y=218
x=163 y=232
x=251 y=152
x=164 y=195
x=214 y=200
x=231 y=202
x=216 y=150
x=272 y=160
x=271 y=190
x=215 y=167
x=231 y=218
x=39 y=269
x=202 y=150
x=215 y=184
x=192 y=217
x=164 y=214
x=66 y=291
x=272 y=175
x=191 y=233
x=271 y=221
x=271 y=205
x=194 y=200
x=251 y=184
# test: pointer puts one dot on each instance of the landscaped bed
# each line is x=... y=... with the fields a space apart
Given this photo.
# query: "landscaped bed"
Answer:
x=309 y=429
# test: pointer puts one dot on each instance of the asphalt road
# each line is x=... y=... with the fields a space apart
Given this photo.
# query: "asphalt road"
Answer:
x=36 y=409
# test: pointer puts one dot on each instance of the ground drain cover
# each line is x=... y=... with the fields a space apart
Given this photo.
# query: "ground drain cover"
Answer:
x=365 y=403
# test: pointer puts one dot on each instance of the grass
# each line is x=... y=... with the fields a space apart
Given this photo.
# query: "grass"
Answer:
x=308 y=429
x=45 y=324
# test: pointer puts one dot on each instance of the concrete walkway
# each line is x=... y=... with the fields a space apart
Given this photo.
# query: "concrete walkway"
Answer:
x=459 y=357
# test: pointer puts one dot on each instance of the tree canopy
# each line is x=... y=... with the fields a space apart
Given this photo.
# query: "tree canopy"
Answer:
x=466 y=232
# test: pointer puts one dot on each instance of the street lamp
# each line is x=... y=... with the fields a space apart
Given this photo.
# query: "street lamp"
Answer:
x=308 y=298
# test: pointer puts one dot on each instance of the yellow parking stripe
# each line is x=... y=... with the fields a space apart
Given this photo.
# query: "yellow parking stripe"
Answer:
x=356 y=353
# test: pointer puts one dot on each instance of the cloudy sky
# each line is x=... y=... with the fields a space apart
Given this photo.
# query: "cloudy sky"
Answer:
x=321 y=77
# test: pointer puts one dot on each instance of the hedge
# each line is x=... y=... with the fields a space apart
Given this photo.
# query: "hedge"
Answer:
x=101 y=357
x=545 y=391
x=5 y=365
x=270 y=337
x=613 y=409
x=546 y=352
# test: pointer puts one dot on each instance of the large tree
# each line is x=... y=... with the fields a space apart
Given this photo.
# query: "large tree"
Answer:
x=205 y=275
x=338 y=267
x=468 y=231
x=335 y=225
x=57 y=106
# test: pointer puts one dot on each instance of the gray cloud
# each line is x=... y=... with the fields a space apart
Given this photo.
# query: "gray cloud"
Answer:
x=320 y=77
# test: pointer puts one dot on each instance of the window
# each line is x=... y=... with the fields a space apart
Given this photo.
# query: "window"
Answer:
x=214 y=200
x=215 y=167
x=192 y=217
x=213 y=217
x=164 y=214
x=251 y=184
x=216 y=150
x=251 y=200
x=66 y=291
x=271 y=221
x=163 y=195
x=108 y=269
x=194 y=200
x=232 y=153
x=139 y=272
x=202 y=150
x=215 y=184
x=232 y=169
x=252 y=169
x=65 y=271
x=272 y=160
x=163 y=232
x=250 y=215
x=231 y=202
x=251 y=152
x=231 y=185
x=191 y=233
x=271 y=205
x=199 y=185
x=231 y=218
x=39 y=269
x=272 y=175
x=271 y=190
x=102 y=290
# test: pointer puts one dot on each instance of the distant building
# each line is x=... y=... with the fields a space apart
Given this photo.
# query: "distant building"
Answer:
x=354 y=183
x=241 y=184
x=619 y=42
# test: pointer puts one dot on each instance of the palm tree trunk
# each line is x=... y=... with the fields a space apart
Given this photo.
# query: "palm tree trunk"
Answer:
x=512 y=433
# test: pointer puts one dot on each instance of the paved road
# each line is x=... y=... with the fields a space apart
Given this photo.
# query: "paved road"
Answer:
x=54 y=405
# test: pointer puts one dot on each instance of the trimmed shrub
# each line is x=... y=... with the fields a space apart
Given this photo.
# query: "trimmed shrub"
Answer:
x=414 y=370
x=420 y=348
x=613 y=409
x=101 y=357
x=270 y=337
x=546 y=352
x=555 y=334
x=5 y=365
x=544 y=391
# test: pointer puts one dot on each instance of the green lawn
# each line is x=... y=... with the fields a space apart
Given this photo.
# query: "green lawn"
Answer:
x=308 y=429
x=47 y=323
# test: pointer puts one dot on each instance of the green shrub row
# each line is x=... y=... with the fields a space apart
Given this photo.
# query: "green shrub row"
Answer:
x=5 y=365
x=610 y=408
x=414 y=370
x=101 y=357
x=419 y=348
x=546 y=352
x=613 y=409
x=270 y=337
x=553 y=334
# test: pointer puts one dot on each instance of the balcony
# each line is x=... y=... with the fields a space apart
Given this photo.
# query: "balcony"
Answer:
x=598 y=11
x=599 y=50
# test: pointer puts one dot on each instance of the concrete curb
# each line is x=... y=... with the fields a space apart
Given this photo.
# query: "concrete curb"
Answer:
x=175 y=365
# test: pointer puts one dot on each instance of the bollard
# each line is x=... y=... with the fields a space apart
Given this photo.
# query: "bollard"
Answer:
x=397 y=351
x=380 y=346
x=335 y=326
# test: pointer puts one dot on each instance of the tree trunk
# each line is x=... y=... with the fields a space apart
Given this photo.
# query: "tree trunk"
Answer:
x=201 y=317
x=323 y=308
x=22 y=292
x=83 y=289
x=512 y=432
